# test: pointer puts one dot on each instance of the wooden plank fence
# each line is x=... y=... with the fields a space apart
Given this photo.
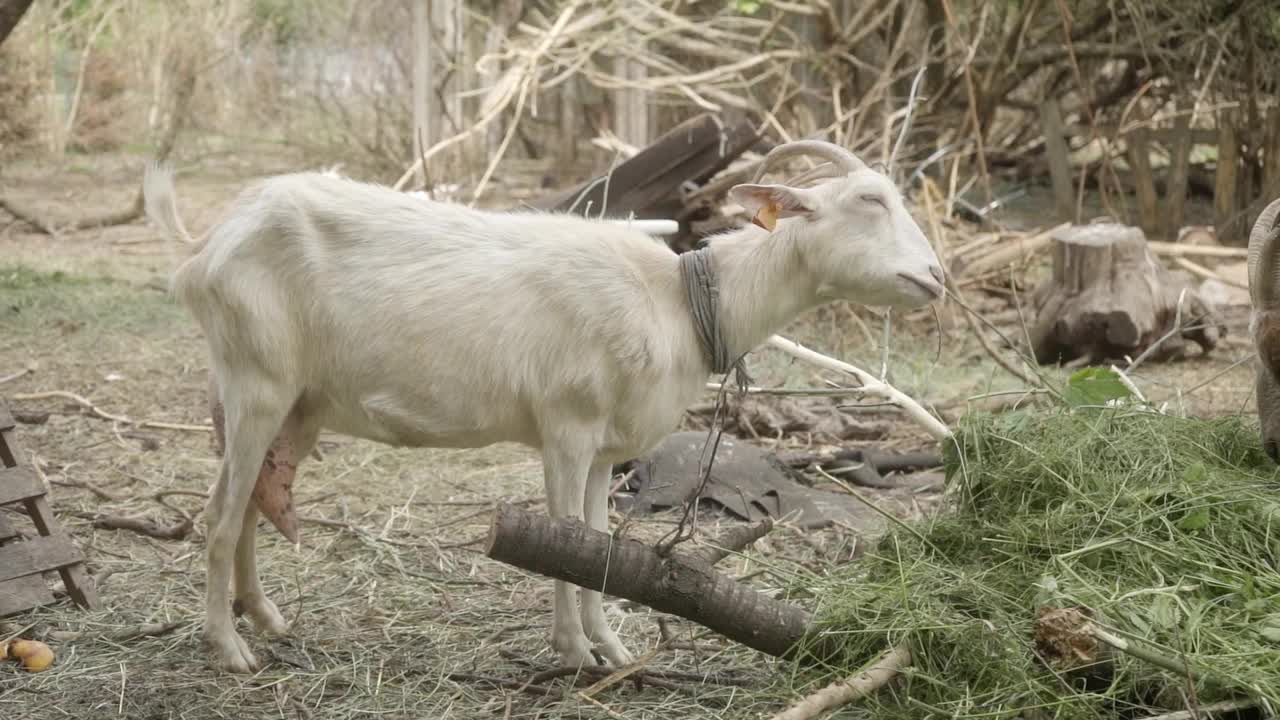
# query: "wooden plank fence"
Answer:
x=1240 y=191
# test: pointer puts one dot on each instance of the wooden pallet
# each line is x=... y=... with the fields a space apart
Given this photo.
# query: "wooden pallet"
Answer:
x=23 y=562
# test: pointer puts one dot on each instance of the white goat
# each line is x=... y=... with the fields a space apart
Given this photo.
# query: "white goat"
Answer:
x=330 y=303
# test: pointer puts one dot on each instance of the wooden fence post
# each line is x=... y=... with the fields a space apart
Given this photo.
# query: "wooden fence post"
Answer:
x=1055 y=144
x=1271 y=155
x=1176 y=187
x=1144 y=185
x=1226 y=223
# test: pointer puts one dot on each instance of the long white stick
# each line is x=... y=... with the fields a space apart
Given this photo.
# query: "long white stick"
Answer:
x=870 y=384
x=858 y=685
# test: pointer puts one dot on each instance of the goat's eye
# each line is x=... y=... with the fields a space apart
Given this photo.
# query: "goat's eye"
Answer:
x=878 y=200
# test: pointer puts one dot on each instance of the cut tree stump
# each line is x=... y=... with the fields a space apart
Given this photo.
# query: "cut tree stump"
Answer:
x=682 y=584
x=1109 y=297
x=23 y=562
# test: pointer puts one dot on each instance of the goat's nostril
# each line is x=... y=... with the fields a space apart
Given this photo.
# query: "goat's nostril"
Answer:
x=1273 y=450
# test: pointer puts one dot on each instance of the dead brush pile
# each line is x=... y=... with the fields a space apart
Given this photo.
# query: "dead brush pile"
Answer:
x=1104 y=560
x=19 y=90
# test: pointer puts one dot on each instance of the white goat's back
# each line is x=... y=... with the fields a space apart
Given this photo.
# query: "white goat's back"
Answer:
x=351 y=289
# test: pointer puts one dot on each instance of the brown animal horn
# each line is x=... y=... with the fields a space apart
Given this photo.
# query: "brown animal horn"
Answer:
x=1264 y=266
x=838 y=156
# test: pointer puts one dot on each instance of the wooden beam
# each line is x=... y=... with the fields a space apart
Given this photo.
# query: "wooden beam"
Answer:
x=23 y=593
x=79 y=585
x=53 y=549
x=7 y=530
x=36 y=555
x=19 y=483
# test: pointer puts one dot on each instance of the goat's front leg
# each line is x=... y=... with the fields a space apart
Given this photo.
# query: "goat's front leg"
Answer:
x=565 y=466
x=593 y=619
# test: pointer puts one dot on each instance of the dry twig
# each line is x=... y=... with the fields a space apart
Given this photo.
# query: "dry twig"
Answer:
x=14 y=376
x=101 y=414
x=870 y=384
x=856 y=686
x=142 y=526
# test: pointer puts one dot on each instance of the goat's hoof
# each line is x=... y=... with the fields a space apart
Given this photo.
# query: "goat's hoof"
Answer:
x=265 y=616
x=231 y=653
x=576 y=653
x=615 y=653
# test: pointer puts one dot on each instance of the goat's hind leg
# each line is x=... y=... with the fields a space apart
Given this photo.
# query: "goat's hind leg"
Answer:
x=255 y=409
x=273 y=494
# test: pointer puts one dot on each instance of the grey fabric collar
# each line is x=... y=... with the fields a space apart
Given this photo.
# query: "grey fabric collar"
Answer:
x=704 y=304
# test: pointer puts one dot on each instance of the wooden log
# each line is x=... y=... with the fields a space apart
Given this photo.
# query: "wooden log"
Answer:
x=1226 y=222
x=1176 y=187
x=1055 y=144
x=1108 y=297
x=1144 y=184
x=680 y=584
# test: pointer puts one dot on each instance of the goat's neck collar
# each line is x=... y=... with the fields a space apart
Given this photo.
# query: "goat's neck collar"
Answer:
x=753 y=284
x=703 y=292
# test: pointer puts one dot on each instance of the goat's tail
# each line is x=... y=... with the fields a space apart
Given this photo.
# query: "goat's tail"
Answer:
x=161 y=202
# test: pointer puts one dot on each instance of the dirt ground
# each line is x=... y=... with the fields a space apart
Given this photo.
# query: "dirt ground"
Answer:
x=395 y=611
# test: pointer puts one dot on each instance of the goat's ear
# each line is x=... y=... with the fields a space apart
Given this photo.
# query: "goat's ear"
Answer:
x=768 y=203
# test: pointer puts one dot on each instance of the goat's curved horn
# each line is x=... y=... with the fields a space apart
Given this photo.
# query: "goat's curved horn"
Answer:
x=1264 y=265
x=838 y=156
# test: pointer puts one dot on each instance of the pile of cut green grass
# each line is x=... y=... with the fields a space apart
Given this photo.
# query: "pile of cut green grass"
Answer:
x=1167 y=528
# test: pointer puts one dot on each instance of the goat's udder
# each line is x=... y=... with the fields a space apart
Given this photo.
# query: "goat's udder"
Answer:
x=273 y=491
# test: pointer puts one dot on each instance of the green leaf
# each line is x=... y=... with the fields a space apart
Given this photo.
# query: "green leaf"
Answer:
x=1164 y=612
x=1195 y=473
x=1094 y=386
x=746 y=7
x=1197 y=519
x=1271 y=629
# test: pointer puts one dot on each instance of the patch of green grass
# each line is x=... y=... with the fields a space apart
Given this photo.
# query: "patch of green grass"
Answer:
x=1167 y=528
x=38 y=301
x=24 y=278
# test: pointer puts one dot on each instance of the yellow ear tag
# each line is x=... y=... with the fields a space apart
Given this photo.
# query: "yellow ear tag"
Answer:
x=767 y=217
